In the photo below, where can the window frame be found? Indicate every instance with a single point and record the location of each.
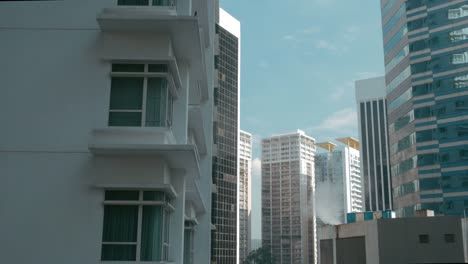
(172, 4)
(146, 75)
(167, 209)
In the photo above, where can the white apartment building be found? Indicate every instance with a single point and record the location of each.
(338, 181)
(105, 148)
(245, 194)
(288, 182)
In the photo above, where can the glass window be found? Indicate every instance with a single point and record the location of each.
(402, 122)
(417, 23)
(458, 35)
(425, 135)
(429, 184)
(399, 79)
(140, 101)
(146, 2)
(449, 238)
(397, 59)
(428, 159)
(188, 242)
(394, 20)
(403, 144)
(424, 239)
(460, 81)
(422, 112)
(459, 12)
(422, 89)
(418, 45)
(403, 98)
(396, 38)
(460, 58)
(120, 239)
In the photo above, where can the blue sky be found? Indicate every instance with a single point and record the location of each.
(299, 61)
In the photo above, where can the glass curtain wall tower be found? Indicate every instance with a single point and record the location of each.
(225, 214)
(288, 217)
(426, 65)
(373, 134)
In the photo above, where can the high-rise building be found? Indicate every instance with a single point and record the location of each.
(338, 181)
(105, 152)
(255, 244)
(373, 135)
(245, 188)
(225, 214)
(288, 217)
(427, 97)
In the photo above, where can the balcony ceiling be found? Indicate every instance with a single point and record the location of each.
(184, 31)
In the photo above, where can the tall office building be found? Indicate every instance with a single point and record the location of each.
(105, 152)
(245, 190)
(225, 236)
(373, 135)
(288, 218)
(427, 97)
(338, 181)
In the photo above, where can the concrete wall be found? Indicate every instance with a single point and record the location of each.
(54, 91)
(399, 240)
(351, 250)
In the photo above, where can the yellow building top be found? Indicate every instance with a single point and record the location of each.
(350, 141)
(327, 145)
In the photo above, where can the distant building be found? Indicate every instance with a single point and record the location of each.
(245, 185)
(225, 211)
(373, 135)
(338, 181)
(440, 239)
(426, 74)
(255, 244)
(288, 218)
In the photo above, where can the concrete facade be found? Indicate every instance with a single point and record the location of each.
(439, 239)
(245, 194)
(60, 154)
(288, 183)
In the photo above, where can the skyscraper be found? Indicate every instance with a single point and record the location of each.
(225, 236)
(245, 198)
(373, 135)
(427, 92)
(338, 181)
(106, 155)
(288, 218)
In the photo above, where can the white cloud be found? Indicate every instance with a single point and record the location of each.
(344, 120)
(289, 37)
(337, 94)
(310, 30)
(324, 44)
(351, 33)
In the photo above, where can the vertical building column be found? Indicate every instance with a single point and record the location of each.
(177, 219)
(180, 123)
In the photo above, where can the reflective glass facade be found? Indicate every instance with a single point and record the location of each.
(225, 162)
(427, 103)
(375, 163)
